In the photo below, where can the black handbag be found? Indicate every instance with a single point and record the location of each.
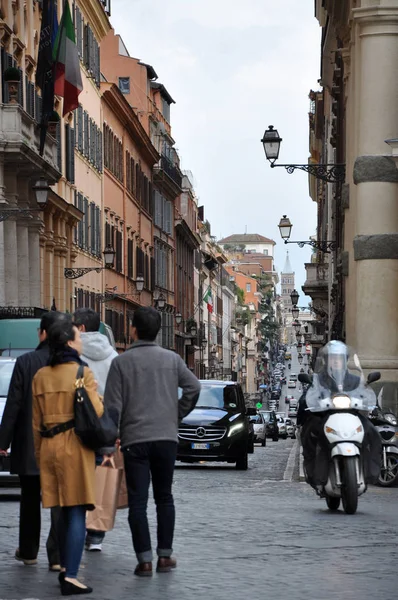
(94, 432)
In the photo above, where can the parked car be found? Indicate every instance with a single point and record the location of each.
(6, 369)
(292, 383)
(290, 428)
(259, 428)
(218, 428)
(281, 426)
(271, 425)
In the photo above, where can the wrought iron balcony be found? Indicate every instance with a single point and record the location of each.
(170, 169)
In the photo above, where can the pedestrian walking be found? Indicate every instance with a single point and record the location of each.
(142, 386)
(67, 467)
(98, 353)
(16, 431)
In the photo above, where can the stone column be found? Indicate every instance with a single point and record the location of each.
(23, 263)
(10, 262)
(34, 265)
(376, 193)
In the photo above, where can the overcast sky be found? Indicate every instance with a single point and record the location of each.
(234, 67)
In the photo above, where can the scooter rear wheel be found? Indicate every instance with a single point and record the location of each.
(349, 489)
(333, 503)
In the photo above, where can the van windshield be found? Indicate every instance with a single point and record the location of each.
(218, 396)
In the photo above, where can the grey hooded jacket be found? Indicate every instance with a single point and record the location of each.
(98, 354)
(142, 387)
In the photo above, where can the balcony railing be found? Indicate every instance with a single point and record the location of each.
(172, 171)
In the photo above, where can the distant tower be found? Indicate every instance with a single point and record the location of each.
(287, 283)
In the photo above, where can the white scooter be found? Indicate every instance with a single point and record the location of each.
(344, 432)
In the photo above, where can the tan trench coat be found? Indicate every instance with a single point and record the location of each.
(67, 468)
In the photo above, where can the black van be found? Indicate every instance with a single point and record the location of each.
(218, 429)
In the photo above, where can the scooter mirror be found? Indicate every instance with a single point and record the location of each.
(374, 376)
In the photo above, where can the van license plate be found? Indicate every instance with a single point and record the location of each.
(200, 446)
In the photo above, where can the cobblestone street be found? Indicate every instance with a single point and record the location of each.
(239, 534)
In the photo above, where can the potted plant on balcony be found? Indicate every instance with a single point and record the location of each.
(53, 121)
(12, 77)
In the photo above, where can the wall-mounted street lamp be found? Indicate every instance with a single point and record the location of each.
(327, 172)
(109, 260)
(295, 312)
(297, 326)
(112, 294)
(294, 296)
(41, 189)
(160, 302)
(285, 228)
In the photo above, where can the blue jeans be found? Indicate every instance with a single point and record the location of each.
(141, 461)
(72, 534)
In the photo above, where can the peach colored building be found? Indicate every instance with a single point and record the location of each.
(246, 283)
(151, 103)
(128, 160)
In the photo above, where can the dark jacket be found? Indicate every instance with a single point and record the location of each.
(16, 425)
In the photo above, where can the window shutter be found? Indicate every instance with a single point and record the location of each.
(146, 271)
(20, 87)
(79, 32)
(108, 234)
(86, 134)
(164, 214)
(85, 224)
(98, 65)
(152, 264)
(80, 224)
(119, 251)
(100, 158)
(92, 228)
(70, 153)
(59, 146)
(150, 199)
(97, 231)
(87, 38)
(168, 228)
(80, 132)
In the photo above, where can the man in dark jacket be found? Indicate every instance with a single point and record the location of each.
(142, 387)
(16, 431)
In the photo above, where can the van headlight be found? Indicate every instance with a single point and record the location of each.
(341, 402)
(235, 428)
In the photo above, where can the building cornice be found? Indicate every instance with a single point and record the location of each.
(95, 15)
(114, 98)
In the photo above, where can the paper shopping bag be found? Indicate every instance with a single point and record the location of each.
(123, 498)
(107, 486)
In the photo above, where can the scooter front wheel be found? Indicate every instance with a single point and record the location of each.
(389, 473)
(332, 502)
(349, 489)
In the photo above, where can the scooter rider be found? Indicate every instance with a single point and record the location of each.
(334, 367)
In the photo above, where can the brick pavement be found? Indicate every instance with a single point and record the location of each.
(239, 535)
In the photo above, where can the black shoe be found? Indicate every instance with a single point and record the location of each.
(70, 589)
(61, 577)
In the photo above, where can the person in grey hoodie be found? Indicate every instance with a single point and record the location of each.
(142, 387)
(98, 354)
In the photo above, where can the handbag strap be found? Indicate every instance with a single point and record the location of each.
(79, 383)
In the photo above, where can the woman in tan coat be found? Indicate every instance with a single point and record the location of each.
(67, 468)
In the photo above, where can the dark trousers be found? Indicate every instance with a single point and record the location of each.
(143, 461)
(30, 522)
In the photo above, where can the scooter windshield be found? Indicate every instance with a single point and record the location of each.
(338, 381)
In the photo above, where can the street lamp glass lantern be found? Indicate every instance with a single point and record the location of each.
(41, 189)
(295, 313)
(271, 143)
(178, 318)
(139, 283)
(285, 227)
(161, 302)
(294, 297)
(204, 343)
(297, 326)
(193, 330)
(109, 256)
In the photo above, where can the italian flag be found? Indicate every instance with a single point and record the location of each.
(68, 79)
(209, 299)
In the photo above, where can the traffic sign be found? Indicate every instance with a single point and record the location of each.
(259, 405)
